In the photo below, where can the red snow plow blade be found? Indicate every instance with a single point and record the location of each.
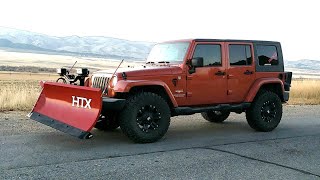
(68, 108)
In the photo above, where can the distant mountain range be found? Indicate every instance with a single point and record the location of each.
(107, 47)
(304, 68)
(311, 65)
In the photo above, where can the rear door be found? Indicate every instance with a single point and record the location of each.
(208, 85)
(241, 70)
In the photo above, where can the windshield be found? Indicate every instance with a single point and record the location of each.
(168, 52)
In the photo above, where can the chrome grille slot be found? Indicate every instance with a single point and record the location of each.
(100, 82)
(104, 82)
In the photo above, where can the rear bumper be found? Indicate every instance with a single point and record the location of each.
(112, 104)
(286, 96)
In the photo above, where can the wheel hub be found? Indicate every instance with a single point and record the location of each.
(148, 118)
(218, 113)
(268, 111)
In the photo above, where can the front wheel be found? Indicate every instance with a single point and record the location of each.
(265, 112)
(107, 122)
(145, 118)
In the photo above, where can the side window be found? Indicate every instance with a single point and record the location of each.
(240, 55)
(267, 55)
(211, 54)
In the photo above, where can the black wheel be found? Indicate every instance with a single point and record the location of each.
(215, 116)
(145, 118)
(61, 80)
(265, 112)
(107, 122)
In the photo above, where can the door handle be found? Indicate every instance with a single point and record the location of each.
(247, 72)
(220, 73)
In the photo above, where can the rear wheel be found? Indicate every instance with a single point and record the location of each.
(265, 112)
(145, 118)
(215, 116)
(107, 122)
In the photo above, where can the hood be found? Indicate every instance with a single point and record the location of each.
(143, 71)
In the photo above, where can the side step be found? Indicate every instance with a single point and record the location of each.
(192, 110)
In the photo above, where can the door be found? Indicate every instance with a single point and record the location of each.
(241, 70)
(208, 84)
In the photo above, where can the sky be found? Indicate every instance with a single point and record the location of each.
(294, 23)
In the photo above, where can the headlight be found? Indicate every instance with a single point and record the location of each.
(113, 81)
(62, 71)
(79, 71)
(83, 72)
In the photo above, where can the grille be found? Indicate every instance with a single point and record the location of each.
(100, 82)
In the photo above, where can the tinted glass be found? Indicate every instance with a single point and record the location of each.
(267, 55)
(240, 55)
(211, 54)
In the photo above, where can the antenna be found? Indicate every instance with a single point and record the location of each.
(117, 68)
(73, 66)
(112, 76)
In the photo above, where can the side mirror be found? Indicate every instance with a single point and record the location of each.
(197, 62)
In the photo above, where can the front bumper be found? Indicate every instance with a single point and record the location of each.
(112, 104)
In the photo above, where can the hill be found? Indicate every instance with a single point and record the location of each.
(86, 46)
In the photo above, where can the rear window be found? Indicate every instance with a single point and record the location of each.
(267, 55)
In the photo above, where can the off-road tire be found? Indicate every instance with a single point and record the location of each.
(107, 122)
(141, 109)
(215, 116)
(265, 112)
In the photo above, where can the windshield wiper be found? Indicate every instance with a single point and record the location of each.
(158, 62)
(165, 62)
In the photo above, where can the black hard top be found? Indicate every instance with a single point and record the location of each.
(233, 40)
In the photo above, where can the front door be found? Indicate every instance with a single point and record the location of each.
(241, 70)
(208, 85)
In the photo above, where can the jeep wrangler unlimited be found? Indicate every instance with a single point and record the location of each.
(208, 76)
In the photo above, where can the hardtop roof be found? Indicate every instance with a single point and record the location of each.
(233, 40)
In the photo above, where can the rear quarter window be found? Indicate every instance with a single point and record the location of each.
(267, 55)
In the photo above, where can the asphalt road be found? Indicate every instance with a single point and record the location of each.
(192, 149)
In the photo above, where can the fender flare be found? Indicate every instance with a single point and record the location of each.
(126, 85)
(258, 84)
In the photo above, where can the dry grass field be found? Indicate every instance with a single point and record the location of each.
(19, 91)
(305, 92)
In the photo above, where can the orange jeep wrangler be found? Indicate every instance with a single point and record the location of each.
(208, 76)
